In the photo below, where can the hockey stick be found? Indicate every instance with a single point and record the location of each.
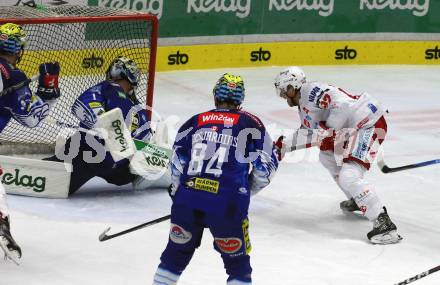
(419, 276)
(61, 124)
(18, 85)
(104, 236)
(386, 169)
(304, 146)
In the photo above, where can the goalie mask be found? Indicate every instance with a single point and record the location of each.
(291, 76)
(12, 39)
(123, 68)
(229, 88)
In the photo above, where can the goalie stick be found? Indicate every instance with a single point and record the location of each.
(386, 169)
(104, 236)
(419, 276)
(304, 146)
(61, 124)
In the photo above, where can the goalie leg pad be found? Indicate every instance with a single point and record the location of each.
(34, 177)
(150, 163)
(144, 182)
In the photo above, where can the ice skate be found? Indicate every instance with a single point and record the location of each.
(349, 206)
(384, 230)
(7, 243)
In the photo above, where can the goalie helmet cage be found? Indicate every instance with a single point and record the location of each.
(84, 39)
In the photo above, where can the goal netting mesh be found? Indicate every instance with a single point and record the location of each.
(84, 40)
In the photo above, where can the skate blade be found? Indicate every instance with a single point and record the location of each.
(386, 238)
(11, 255)
(357, 214)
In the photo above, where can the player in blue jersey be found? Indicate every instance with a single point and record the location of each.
(117, 91)
(219, 158)
(17, 102)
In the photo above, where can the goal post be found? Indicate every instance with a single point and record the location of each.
(84, 40)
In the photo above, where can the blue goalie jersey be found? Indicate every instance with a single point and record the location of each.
(106, 96)
(219, 158)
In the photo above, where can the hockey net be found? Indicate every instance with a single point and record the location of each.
(84, 40)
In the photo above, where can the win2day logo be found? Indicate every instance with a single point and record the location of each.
(92, 62)
(178, 58)
(260, 55)
(345, 53)
(433, 53)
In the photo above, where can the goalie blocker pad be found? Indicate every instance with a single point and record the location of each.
(34, 177)
(111, 126)
(148, 161)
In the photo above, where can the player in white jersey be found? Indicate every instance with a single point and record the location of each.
(350, 129)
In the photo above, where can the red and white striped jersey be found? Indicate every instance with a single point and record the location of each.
(340, 109)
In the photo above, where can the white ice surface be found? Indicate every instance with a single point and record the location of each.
(298, 233)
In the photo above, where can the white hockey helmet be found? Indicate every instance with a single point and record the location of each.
(293, 76)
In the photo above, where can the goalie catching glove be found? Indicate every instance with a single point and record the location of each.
(48, 81)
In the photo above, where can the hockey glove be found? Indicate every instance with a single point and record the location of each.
(278, 144)
(326, 137)
(48, 81)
